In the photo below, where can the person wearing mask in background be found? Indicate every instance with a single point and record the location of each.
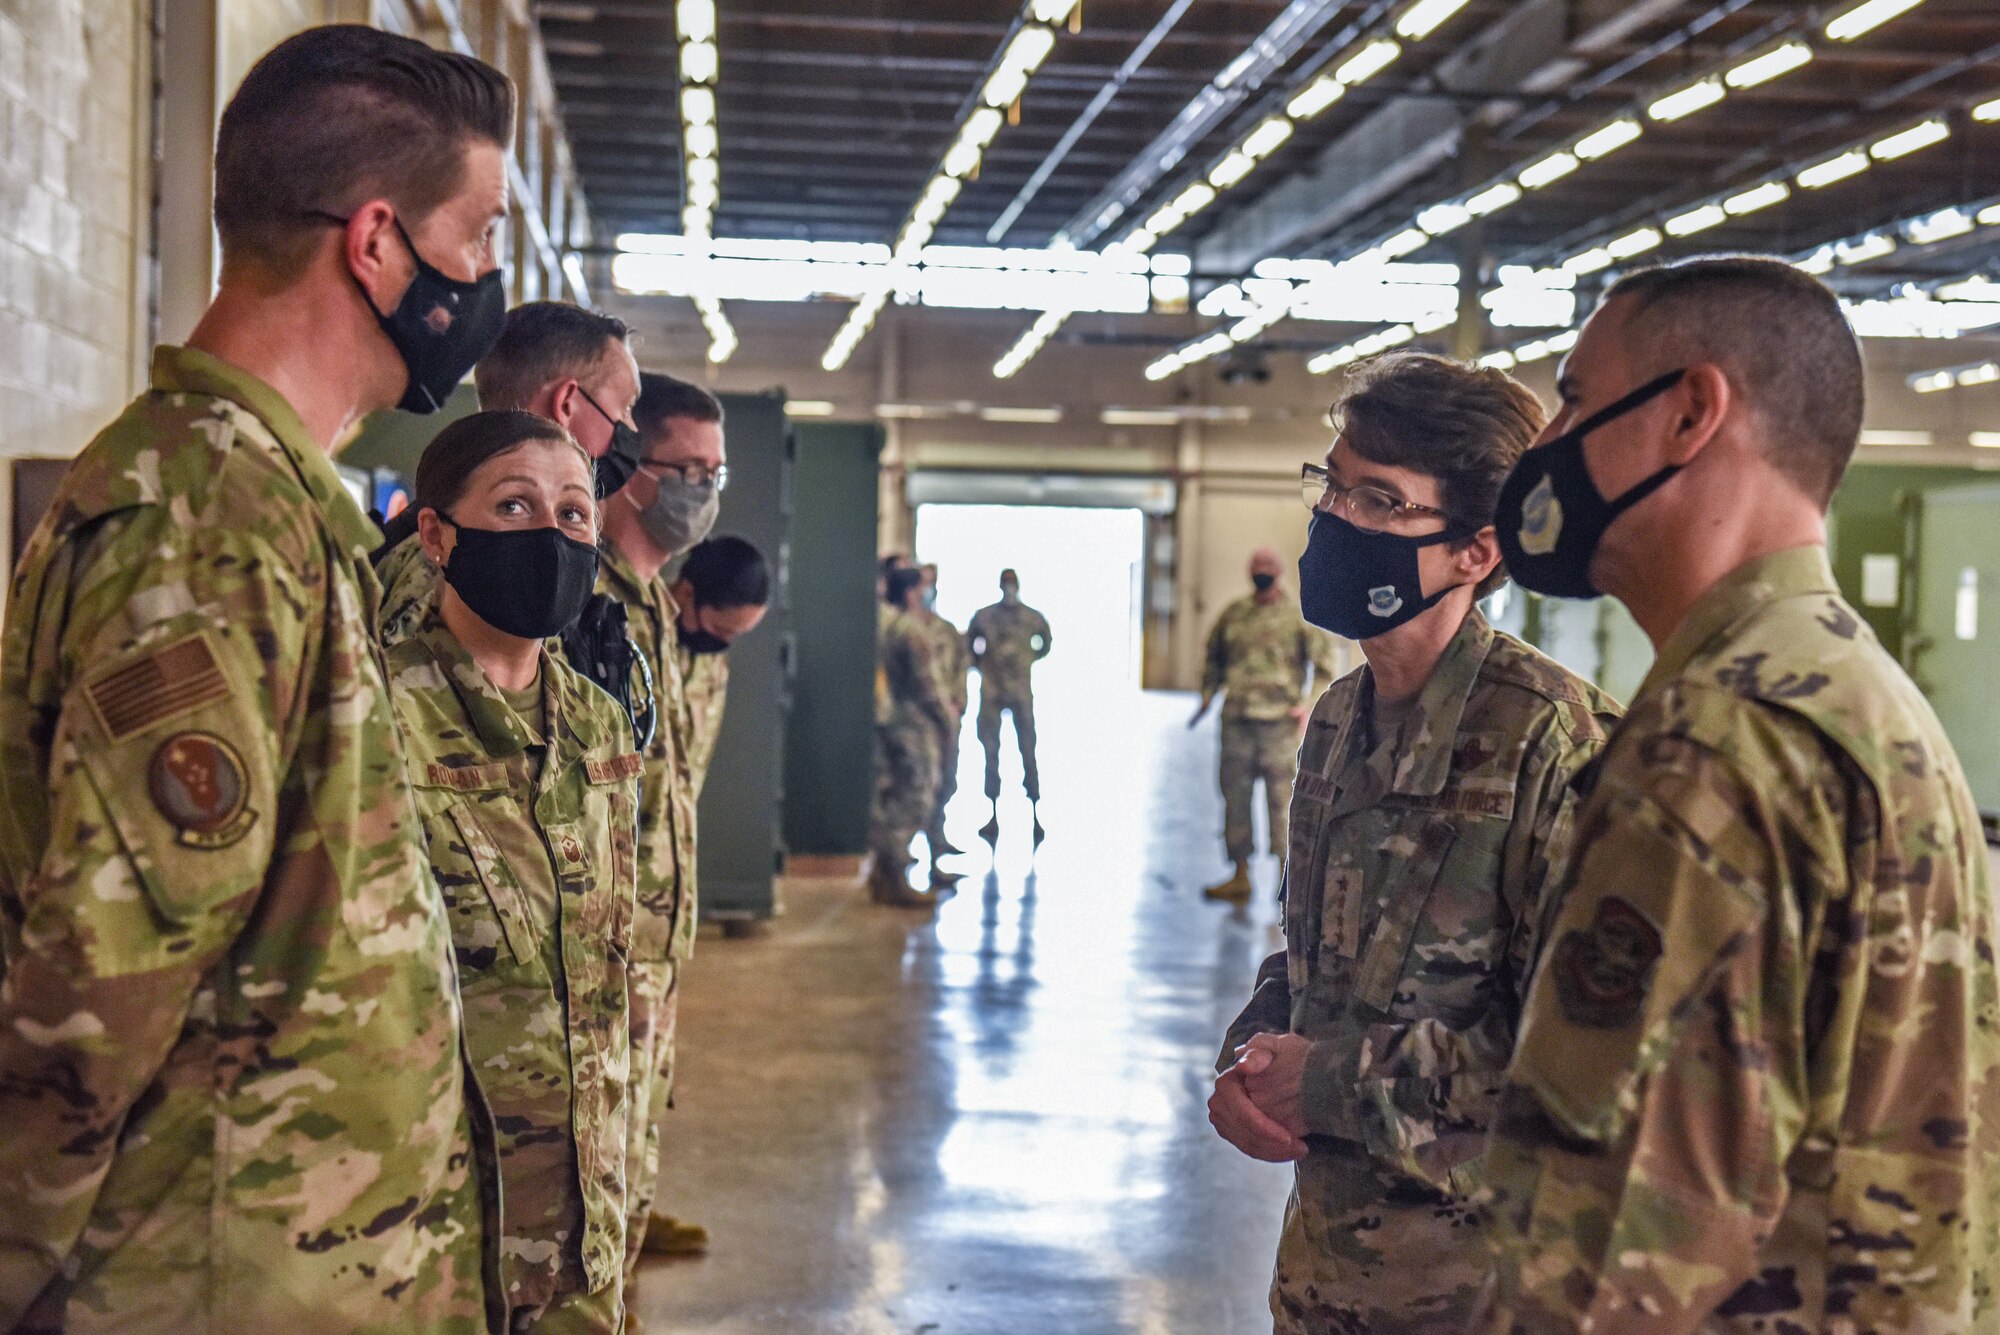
(1755, 1084)
(906, 747)
(884, 614)
(559, 361)
(951, 659)
(667, 507)
(527, 787)
(723, 589)
(1428, 824)
(1265, 662)
(1007, 639)
(231, 1078)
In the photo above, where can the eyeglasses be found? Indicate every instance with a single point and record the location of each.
(1364, 506)
(695, 475)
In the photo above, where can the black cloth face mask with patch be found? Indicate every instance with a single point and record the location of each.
(1551, 517)
(1360, 584)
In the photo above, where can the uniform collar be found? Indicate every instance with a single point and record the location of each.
(1791, 573)
(626, 578)
(183, 370)
(1419, 756)
(500, 732)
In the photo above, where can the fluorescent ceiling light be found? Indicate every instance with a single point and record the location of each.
(1819, 262)
(1851, 163)
(1933, 382)
(1194, 199)
(1550, 169)
(1939, 226)
(1871, 247)
(1633, 243)
(1589, 262)
(1533, 352)
(1565, 341)
(696, 20)
(1987, 112)
(1369, 61)
(1757, 197)
(808, 408)
(1985, 440)
(1140, 417)
(1906, 142)
(1688, 100)
(1696, 220)
(1498, 361)
(1316, 97)
(1406, 242)
(1985, 373)
(703, 194)
(1901, 438)
(1266, 138)
(1604, 142)
(698, 106)
(1036, 415)
(1231, 169)
(1866, 17)
(1442, 219)
(700, 141)
(1052, 12)
(1173, 266)
(1142, 240)
(1990, 216)
(1493, 199)
(1164, 367)
(1764, 68)
(1424, 18)
(703, 169)
(699, 62)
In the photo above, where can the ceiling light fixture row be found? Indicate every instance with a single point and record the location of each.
(1348, 70)
(1510, 187)
(1033, 37)
(701, 149)
(1736, 202)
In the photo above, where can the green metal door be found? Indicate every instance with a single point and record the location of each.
(1952, 644)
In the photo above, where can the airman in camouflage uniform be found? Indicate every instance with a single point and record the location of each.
(1419, 864)
(1265, 662)
(530, 818)
(1757, 1086)
(1757, 1071)
(906, 748)
(1007, 639)
(663, 935)
(951, 659)
(705, 679)
(230, 1071)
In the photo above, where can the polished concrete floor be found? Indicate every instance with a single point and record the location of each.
(993, 1123)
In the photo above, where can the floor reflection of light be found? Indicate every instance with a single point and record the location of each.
(1036, 1162)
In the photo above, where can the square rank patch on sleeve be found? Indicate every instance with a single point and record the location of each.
(165, 684)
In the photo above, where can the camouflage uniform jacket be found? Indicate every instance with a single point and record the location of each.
(1007, 639)
(1759, 1069)
(1258, 655)
(705, 678)
(230, 1064)
(409, 587)
(884, 615)
(914, 693)
(531, 838)
(666, 921)
(951, 659)
(1417, 876)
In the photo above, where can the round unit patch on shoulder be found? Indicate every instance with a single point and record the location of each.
(197, 781)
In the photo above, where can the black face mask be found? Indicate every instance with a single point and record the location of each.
(440, 328)
(700, 642)
(529, 582)
(1360, 584)
(1551, 518)
(1264, 583)
(614, 468)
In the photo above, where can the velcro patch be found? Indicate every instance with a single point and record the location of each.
(1602, 973)
(165, 684)
(1313, 787)
(465, 778)
(618, 769)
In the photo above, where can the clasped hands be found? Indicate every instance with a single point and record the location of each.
(1256, 1103)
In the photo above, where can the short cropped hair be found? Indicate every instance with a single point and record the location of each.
(662, 398)
(541, 343)
(337, 116)
(728, 572)
(899, 582)
(456, 453)
(1464, 425)
(1780, 336)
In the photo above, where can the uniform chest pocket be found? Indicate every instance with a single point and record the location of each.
(488, 908)
(1400, 906)
(611, 815)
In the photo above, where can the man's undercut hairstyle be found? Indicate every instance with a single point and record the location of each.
(1780, 336)
(1464, 425)
(663, 398)
(543, 342)
(728, 572)
(340, 115)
